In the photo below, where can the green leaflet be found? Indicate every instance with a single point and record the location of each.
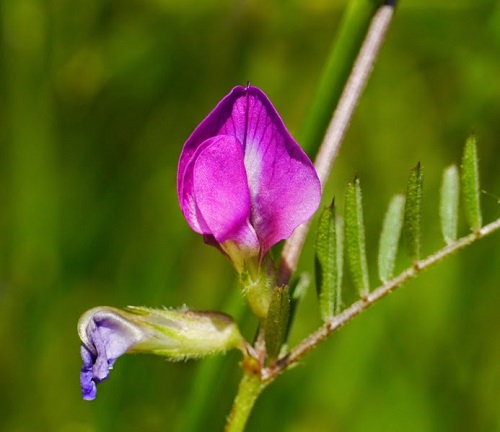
(277, 320)
(470, 184)
(412, 225)
(448, 209)
(340, 262)
(355, 237)
(389, 237)
(328, 262)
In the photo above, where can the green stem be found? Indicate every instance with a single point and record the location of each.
(350, 36)
(250, 388)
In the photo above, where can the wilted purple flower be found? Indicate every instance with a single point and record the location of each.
(107, 333)
(243, 182)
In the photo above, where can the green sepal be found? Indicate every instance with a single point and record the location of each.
(196, 333)
(389, 237)
(354, 234)
(412, 225)
(277, 320)
(448, 209)
(258, 286)
(470, 184)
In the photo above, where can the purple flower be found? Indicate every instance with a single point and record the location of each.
(105, 336)
(243, 182)
(107, 333)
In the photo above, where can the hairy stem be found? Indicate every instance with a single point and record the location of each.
(249, 390)
(338, 126)
(355, 309)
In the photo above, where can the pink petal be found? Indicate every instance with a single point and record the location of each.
(223, 120)
(284, 187)
(221, 192)
(185, 188)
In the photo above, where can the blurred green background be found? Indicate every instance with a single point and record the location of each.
(96, 100)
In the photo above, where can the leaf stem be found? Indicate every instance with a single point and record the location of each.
(355, 309)
(337, 128)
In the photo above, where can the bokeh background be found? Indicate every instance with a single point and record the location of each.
(96, 100)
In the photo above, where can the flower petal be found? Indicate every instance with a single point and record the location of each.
(186, 193)
(224, 119)
(87, 383)
(283, 183)
(221, 192)
(105, 336)
(284, 188)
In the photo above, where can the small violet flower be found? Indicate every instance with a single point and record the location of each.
(243, 182)
(107, 333)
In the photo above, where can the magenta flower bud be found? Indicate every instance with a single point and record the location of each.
(243, 182)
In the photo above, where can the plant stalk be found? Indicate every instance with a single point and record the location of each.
(337, 128)
(250, 388)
